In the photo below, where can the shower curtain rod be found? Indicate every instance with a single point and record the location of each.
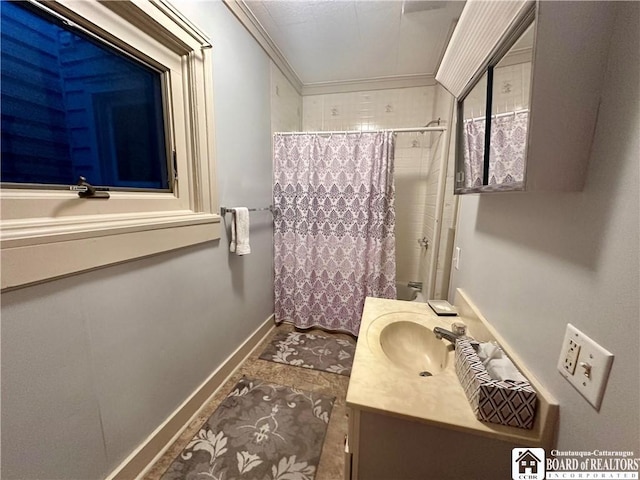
(499, 115)
(393, 130)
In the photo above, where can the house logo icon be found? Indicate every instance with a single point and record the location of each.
(527, 464)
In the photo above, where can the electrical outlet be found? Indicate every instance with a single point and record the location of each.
(585, 364)
(571, 356)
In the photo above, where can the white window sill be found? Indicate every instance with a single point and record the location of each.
(36, 253)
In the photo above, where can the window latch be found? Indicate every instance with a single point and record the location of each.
(175, 166)
(86, 190)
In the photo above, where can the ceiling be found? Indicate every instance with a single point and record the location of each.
(328, 41)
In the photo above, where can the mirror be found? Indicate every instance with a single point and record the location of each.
(473, 115)
(510, 113)
(493, 120)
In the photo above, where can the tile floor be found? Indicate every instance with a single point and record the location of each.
(331, 465)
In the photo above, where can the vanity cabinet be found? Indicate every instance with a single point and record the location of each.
(406, 425)
(387, 447)
(528, 82)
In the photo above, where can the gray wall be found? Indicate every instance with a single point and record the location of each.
(534, 262)
(92, 364)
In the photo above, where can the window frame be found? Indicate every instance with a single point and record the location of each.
(50, 233)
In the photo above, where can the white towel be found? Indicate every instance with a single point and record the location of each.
(498, 365)
(240, 232)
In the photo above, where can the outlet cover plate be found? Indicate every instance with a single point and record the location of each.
(585, 364)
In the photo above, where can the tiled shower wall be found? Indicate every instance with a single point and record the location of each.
(286, 103)
(510, 92)
(416, 169)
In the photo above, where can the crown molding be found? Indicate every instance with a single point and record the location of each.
(257, 31)
(516, 57)
(380, 83)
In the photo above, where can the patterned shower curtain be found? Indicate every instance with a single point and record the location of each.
(334, 229)
(507, 149)
(473, 152)
(508, 145)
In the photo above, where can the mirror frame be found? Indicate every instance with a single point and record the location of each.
(503, 47)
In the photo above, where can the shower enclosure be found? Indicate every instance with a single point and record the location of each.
(425, 205)
(417, 177)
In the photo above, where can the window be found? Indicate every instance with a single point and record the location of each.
(73, 106)
(119, 93)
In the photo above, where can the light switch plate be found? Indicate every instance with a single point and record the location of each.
(585, 364)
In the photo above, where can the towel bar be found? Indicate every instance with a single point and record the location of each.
(225, 210)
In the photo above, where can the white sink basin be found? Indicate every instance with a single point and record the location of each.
(404, 340)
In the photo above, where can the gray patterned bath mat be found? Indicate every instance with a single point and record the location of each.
(310, 350)
(261, 431)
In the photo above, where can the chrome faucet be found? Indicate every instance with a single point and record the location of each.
(459, 331)
(440, 332)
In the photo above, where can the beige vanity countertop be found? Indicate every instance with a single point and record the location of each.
(378, 386)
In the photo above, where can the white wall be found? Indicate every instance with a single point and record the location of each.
(533, 262)
(92, 364)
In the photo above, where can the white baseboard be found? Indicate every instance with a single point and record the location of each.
(156, 444)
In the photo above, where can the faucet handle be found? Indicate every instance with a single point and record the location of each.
(459, 328)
